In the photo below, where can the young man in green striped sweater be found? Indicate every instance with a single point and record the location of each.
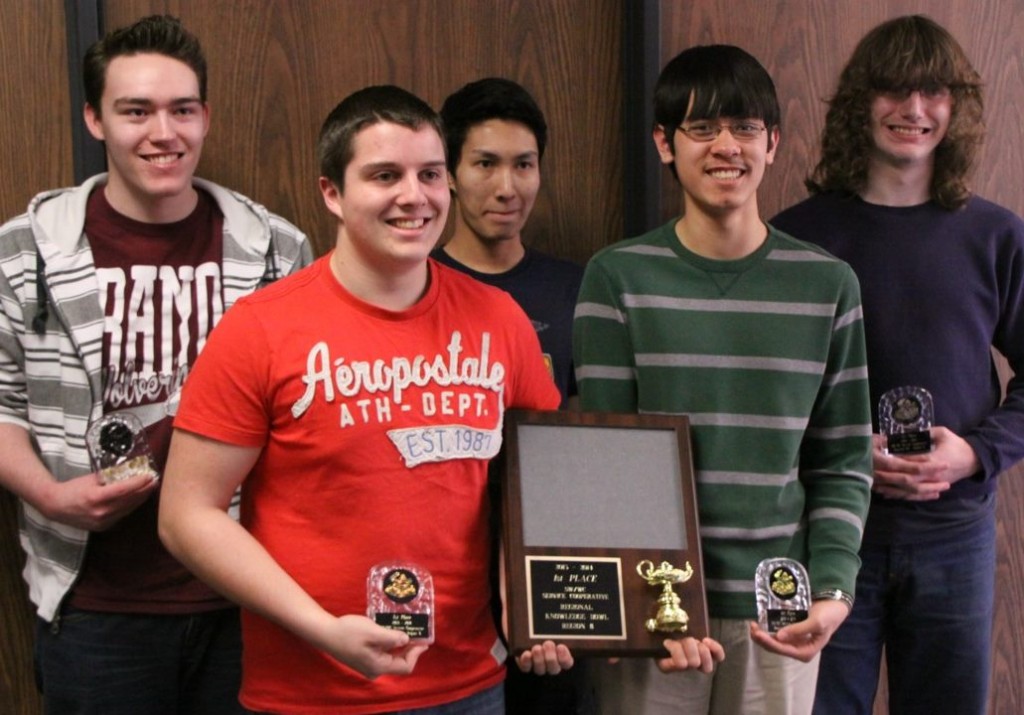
(758, 338)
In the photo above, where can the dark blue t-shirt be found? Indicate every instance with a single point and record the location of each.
(546, 289)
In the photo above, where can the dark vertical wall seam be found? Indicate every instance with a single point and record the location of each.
(641, 171)
(83, 20)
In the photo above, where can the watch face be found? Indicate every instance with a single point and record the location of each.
(833, 594)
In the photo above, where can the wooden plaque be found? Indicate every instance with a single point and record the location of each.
(589, 497)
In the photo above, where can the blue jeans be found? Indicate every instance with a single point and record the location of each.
(486, 702)
(91, 663)
(930, 605)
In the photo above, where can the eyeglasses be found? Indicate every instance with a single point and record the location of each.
(709, 131)
(928, 92)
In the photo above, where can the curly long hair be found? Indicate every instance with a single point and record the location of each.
(901, 55)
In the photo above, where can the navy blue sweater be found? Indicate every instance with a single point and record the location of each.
(939, 288)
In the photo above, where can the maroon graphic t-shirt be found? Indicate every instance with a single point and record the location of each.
(160, 290)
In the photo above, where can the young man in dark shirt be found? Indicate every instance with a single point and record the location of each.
(942, 278)
(496, 136)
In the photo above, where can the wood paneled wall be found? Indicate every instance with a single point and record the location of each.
(278, 66)
(804, 45)
(35, 153)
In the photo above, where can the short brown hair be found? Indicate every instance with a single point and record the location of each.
(156, 34)
(384, 103)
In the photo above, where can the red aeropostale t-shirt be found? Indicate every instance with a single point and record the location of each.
(376, 428)
(160, 290)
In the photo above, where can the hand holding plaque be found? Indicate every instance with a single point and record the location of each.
(601, 533)
(905, 417)
(118, 448)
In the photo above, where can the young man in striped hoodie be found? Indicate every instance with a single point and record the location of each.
(108, 291)
(758, 338)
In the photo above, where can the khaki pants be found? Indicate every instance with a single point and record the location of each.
(751, 681)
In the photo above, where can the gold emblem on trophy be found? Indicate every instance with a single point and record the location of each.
(783, 583)
(401, 585)
(671, 618)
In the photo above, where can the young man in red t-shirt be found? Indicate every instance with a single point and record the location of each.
(357, 405)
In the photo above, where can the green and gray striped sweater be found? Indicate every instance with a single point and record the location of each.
(766, 356)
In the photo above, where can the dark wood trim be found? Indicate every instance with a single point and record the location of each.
(84, 25)
(641, 175)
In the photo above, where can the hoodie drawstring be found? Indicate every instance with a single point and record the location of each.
(42, 299)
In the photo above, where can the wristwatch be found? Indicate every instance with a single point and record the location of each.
(833, 594)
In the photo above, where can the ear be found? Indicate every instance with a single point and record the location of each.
(92, 122)
(451, 182)
(332, 197)
(206, 118)
(664, 146)
(773, 145)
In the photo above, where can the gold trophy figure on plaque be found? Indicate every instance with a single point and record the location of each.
(671, 618)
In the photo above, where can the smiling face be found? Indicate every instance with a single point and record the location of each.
(153, 124)
(721, 176)
(496, 181)
(395, 201)
(907, 127)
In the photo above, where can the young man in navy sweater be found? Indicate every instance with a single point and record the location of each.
(942, 279)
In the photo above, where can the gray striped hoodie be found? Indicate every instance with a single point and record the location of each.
(51, 335)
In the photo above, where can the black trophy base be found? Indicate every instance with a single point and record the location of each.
(903, 443)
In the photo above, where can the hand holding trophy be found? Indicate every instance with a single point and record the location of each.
(783, 592)
(118, 448)
(401, 596)
(905, 418)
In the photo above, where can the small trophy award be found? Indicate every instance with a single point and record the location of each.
(670, 618)
(401, 597)
(905, 417)
(783, 593)
(118, 448)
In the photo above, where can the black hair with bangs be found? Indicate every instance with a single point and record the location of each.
(712, 81)
(486, 99)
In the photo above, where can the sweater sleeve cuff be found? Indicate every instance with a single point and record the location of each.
(989, 467)
(838, 571)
